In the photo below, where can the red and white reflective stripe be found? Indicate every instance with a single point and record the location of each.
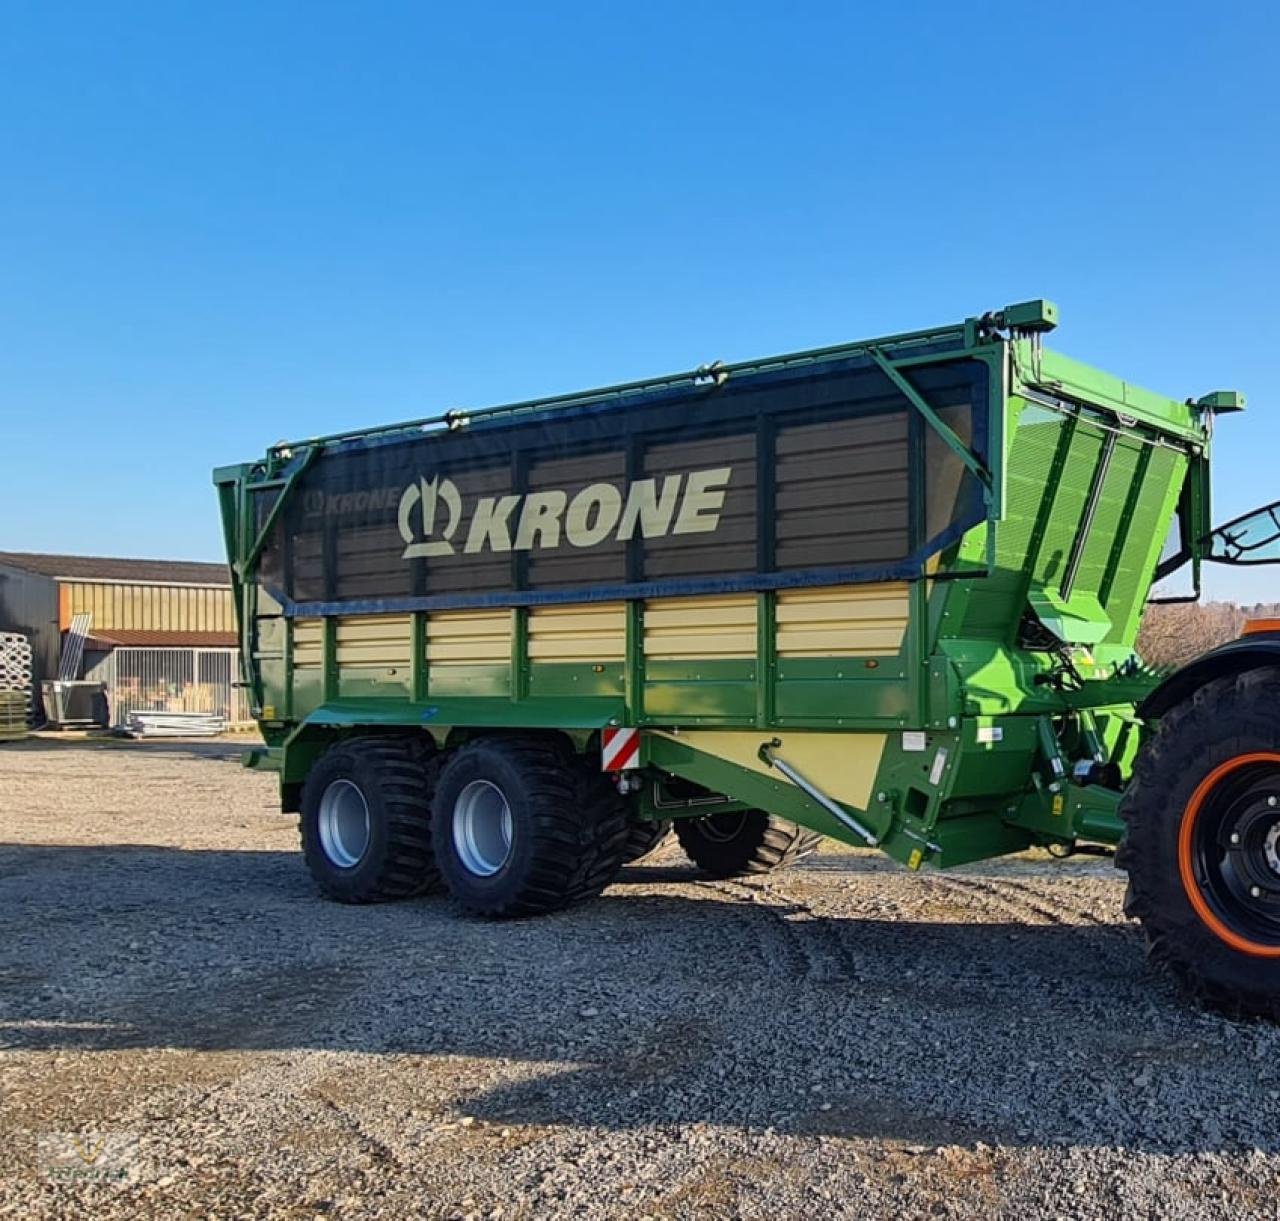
(619, 749)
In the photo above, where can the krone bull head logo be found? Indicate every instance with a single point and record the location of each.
(425, 496)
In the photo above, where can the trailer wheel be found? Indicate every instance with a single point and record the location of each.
(1202, 843)
(366, 820)
(643, 838)
(521, 827)
(741, 842)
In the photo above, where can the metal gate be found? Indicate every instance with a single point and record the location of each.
(174, 680)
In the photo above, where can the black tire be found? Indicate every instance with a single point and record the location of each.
(393, 777)
(566, 827)
(740, 842)
(1208, 774)
(644, 837)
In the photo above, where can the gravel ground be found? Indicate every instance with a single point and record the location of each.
(841, 1039)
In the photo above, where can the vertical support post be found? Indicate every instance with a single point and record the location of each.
(330, 639)
(286, 696)
(918, 652)
(634, 678)
(766, 494)
(917, 643)
(418, 657)
(519, 653)
(766, 657)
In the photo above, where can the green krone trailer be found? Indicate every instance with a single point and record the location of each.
(886, 592)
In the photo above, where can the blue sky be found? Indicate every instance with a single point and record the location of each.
(225, 224)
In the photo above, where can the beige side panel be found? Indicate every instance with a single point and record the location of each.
(691, 629)
(582, 633)
(842, 620)
(374, 640)
(842, 765)
(469, 638)
(308, 644)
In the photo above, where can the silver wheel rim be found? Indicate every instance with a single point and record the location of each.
(482, 828)
(1271, 848)
(344, 824)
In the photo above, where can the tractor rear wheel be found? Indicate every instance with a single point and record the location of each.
(740, 842)
(1202, 843)
(522, 826)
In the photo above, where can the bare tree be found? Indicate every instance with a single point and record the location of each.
(1173, 634)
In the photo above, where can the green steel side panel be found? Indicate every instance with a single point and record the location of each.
(977, 837)
(270, 658)
(589, 713)
(700, 692)
(1114, 498)
(374, 682)
(992, 768)
(307, 695)
(1146, 526)
(493, 681)
(843, 692)
(1094, 814)
(1055, 372)
(571, 681)
(1053, 464)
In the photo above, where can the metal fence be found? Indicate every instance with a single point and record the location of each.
(173, 680)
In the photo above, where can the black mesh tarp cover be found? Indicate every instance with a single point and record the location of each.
(788, 477)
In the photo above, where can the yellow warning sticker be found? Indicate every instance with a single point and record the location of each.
(913, 861)
(269, 713)
(1058, 805)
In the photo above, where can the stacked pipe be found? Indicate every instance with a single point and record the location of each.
(15, 685)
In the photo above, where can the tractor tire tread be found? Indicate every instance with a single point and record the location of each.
(1222, 712)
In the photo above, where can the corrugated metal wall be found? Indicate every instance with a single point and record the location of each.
(166, 608)
(29, 604)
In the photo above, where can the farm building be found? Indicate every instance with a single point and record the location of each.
(160, 633)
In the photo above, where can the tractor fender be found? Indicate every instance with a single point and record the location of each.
(1250, 652)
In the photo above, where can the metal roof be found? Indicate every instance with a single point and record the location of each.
(106, 568)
